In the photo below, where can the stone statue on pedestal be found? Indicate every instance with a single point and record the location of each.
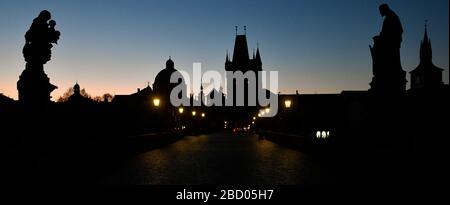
(388, 76)
(34, 86)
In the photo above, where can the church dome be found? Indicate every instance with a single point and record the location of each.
(162, 84)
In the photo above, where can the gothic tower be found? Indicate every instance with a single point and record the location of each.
(426, 75)
(241, 61)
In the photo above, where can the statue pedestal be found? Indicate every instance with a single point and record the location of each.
(34, 86)
(387, 100)
(389, 78)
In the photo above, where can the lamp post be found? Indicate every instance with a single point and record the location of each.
(179, 117)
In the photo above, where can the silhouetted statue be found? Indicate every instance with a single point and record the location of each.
(388, 86)
(389, 77)
(34, 85)
(392, 30)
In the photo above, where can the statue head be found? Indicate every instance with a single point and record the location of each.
(52, 23)
(384, 9)
(45, 15)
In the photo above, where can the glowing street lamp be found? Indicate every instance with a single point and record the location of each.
(267, 110)
(287, 103)
(180, 110)
(156, 102)
(193, 113)
(259, 114)
(203, 114)
(254, 118)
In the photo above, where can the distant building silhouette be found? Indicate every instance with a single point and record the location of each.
(242, 62)
(426, 75)
(77, 98)
(4, 100)
(162, 87)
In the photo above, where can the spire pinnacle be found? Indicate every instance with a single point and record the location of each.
(426, 30)
(258, 55)
(425, 47)
(235, 29)
(245, 30)
(201, 84)
(227, 58)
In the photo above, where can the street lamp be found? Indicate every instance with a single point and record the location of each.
(267, 110)
(287, 103)
(193, 113)
(156, 102)
(203, 114)
(180, 110)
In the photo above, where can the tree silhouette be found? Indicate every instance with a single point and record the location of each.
(103, 98)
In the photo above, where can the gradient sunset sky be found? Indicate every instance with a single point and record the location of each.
(318, 46)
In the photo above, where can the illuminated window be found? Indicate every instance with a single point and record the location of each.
(287, 103)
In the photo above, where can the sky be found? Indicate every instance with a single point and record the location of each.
(117, 46)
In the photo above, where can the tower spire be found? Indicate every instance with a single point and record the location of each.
(245, 30)
(235, 29)
(258, 56)
(425, 46)
(227, 58)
